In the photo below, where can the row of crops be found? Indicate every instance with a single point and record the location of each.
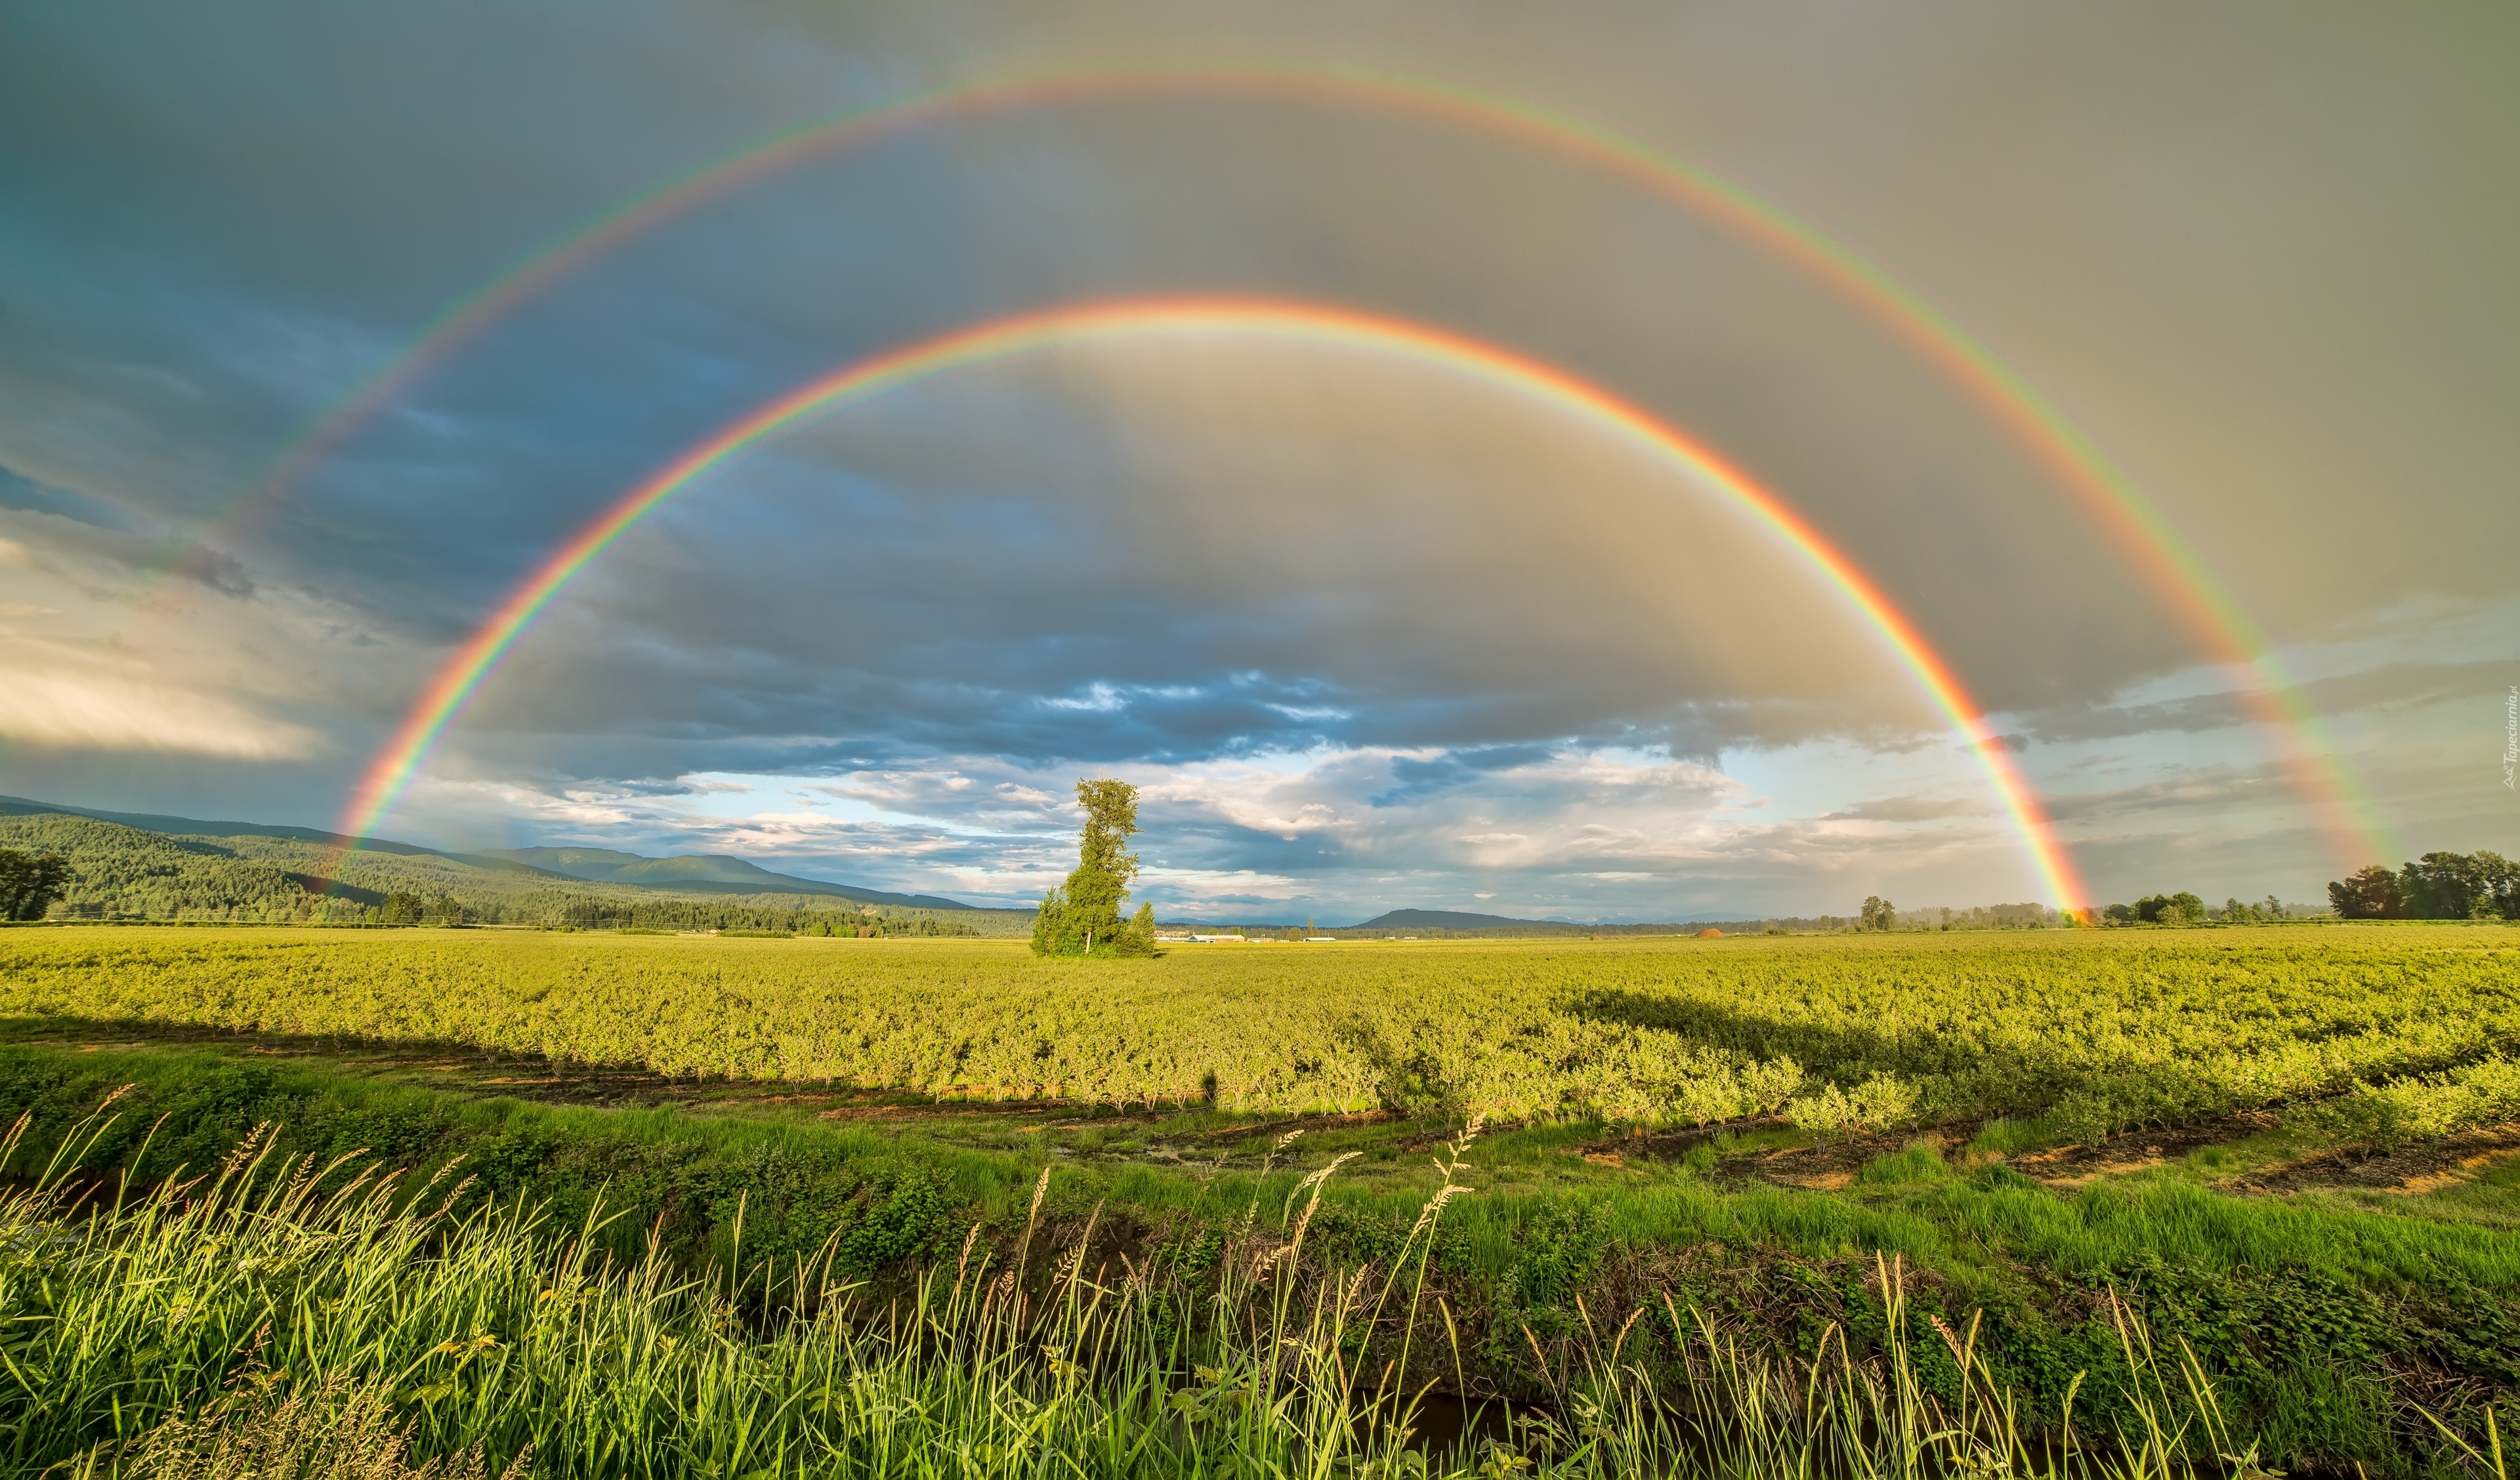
(2101, 1031)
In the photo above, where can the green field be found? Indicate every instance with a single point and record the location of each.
(2287, 1147)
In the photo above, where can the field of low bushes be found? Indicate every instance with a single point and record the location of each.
(2097, 1032)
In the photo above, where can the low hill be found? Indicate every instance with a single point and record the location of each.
(1449, 920)
(702, 873)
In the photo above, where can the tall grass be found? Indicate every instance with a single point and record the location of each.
(272, 1316)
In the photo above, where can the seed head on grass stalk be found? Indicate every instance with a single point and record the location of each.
(1433, 1209)
(963, 1264)
(1313, 1182)
(1267, 1164)
(1032, 1220)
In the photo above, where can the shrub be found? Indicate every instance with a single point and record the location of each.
(1880, 1103)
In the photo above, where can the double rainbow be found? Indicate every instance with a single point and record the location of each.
(462, 674)
(2214, 618)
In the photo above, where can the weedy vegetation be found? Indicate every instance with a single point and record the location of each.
(274, 1317)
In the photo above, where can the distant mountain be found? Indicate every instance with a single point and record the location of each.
(1445, 920)
(701, 873)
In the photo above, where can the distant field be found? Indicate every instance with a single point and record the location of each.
(2097, 1032)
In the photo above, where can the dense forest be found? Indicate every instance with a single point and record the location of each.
(116, 872)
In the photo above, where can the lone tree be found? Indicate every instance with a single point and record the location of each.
(1878, 914)
(1083, 918)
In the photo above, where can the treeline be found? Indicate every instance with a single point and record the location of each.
(2480, 885)
(2023, 916)
(570, 910)
(2029, 916)
(1878, 914)
(1535, 930)
(2185, 908)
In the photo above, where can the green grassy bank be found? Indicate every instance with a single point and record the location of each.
(2327, 1323)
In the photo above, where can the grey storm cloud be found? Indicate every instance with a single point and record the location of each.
(2259, 256)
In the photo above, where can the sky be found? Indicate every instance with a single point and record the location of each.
(1367, 629)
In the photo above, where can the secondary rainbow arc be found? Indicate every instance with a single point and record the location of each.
(464, 671)
(2207, 608)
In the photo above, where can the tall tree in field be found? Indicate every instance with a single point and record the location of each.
(1083, 918)
(1878, 913)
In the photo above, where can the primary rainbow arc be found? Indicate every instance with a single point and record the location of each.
(463, 673)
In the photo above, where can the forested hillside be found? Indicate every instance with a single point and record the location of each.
(117, 871)
(121, 872)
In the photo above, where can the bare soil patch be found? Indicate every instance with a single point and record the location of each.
(2139, 1151)
(2408, 1170)
(1831, 1164)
